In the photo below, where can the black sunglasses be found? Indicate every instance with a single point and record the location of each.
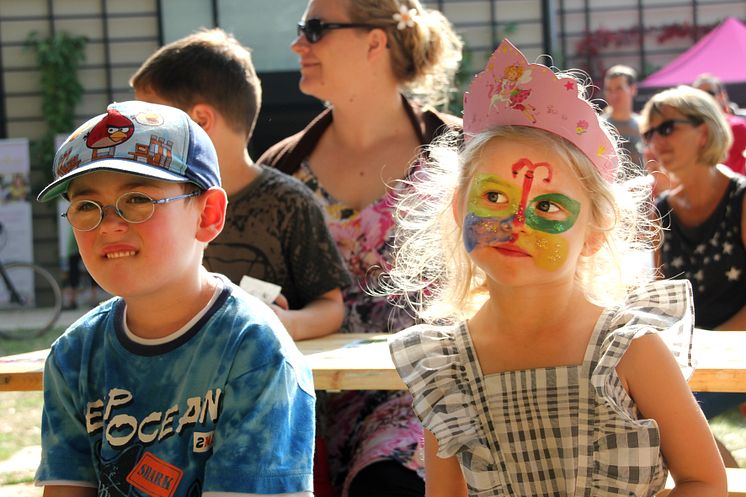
(313, 29)
(666, 127)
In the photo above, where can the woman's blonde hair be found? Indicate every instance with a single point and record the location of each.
(424, 57)
(701, 107)
(433, 273)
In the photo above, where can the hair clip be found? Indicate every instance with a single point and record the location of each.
(405, 17)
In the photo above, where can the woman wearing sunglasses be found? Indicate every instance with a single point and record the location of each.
(376, 63)
(705, 239)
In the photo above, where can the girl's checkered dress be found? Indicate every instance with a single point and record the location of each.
(560, 431)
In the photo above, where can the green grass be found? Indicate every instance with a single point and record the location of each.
(20, 424)
(11, 347)
(730, 429)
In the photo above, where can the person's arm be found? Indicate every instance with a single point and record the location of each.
(652, 378)
(443, 477)
(737, 322)
(68, 491)
(320, 317)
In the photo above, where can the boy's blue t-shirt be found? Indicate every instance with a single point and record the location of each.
(227, 406)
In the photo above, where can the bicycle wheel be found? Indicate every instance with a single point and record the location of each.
(30, 300)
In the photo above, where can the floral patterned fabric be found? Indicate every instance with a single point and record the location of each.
(363, 238)
(362, 427)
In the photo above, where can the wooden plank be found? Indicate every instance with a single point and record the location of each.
(362, 362)
(351, 362)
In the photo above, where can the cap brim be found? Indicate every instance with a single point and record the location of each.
(59, 186)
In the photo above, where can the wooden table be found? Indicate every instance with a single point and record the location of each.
(362, 362)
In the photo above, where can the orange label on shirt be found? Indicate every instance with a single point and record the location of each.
(155, 476)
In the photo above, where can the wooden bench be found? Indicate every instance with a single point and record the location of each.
(362, 362)
(736, 483)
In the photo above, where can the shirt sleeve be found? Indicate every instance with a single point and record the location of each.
(66, 451)
(316, 267)
(265, 438)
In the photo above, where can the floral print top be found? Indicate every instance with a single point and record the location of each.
(364, 238)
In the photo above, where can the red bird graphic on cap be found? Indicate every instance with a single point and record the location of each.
(110, 131)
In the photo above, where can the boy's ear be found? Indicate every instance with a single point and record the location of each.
(212, 218)
(205, 115)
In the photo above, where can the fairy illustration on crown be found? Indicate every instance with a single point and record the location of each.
(509, 91)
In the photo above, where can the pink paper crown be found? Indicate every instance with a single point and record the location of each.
(511, 91)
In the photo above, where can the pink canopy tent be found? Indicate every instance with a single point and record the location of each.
(722, 52)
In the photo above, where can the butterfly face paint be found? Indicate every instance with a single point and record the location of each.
(502, 214)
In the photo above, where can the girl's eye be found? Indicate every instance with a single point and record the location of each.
(547, 206)
(495, 197)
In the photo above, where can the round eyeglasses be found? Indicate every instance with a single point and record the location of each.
(314, 28)
(133, 207)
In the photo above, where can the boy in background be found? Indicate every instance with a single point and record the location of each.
(182, 384)
(275, 231)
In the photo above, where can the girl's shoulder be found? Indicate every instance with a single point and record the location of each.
(663, 307)
(436, 363)
(437, 344)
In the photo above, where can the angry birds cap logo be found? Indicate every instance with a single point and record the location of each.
(112, 130)
(137, 138)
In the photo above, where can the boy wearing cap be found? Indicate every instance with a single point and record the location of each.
(183, 384)
(275, 231)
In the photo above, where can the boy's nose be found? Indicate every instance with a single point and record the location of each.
(111, 222)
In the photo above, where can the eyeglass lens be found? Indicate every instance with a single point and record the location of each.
(313, 29)
(665, 128)
(133, 207)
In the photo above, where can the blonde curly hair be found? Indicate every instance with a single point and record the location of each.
(432, 272)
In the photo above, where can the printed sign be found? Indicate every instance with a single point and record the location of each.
(155, 476)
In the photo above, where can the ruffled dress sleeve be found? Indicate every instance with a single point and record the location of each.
(664, 307)
(429, 360)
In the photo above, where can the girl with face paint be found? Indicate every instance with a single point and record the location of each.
(543, 365)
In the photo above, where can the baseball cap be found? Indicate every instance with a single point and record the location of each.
(140, 138)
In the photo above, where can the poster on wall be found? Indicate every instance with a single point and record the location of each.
(16, 231)
(16, 237)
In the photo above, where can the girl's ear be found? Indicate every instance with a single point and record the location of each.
(204, 115)
(594, 240)
(212, 217)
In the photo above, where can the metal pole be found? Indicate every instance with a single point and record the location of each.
(563, 36)
(587, 20)
(3, 111)
(548, 26)
(50, 14)
(493, 25)
(159, 17)
(641, 31)
(215, 14)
